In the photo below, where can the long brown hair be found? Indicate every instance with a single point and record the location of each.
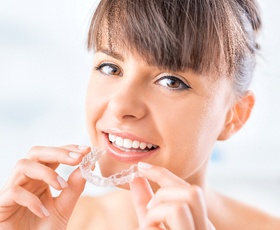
(206, 36)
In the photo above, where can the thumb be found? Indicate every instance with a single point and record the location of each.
(142, 193)
(69, 196)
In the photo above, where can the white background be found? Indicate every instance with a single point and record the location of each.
(44, 69)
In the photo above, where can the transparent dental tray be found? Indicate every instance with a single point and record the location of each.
(89, 161)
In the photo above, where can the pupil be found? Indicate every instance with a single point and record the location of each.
(173, 83)
(113, 70)
(110, 70)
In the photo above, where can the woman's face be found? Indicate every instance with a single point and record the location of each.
(138, 112)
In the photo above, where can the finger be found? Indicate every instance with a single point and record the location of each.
(68, 198)
(160, 175)
(141, 195)
(192, 196)
(53, 156)
(176, 189)
(211, 226)
(26, 170)
(174, 216)
(150, 228)
(19, 196)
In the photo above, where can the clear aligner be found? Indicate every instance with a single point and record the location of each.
(90, 160)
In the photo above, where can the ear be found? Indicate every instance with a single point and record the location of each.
(238, 115)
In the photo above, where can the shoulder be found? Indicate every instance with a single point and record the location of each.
(228, 213)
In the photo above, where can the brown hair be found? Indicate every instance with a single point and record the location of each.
(207, 36)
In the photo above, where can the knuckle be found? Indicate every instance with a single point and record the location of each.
(14, 190)
(16, 193)
(195, 192)
(181, 209)
(33, 150)
(161, 172)
(22, 163)
(60, 150)
(34, 201)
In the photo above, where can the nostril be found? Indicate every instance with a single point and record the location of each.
(128, 116)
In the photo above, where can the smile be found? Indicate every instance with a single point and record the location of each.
(126, 144)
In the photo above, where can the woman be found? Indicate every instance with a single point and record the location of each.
(170, 78)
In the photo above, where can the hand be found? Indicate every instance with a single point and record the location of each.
(176, 205)
(26, 201)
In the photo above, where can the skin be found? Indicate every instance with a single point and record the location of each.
(136, 101)
(189, 130)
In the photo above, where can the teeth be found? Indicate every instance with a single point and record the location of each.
(128, 143)
(135, 144)
(112, 138)
(119, 141)
(143, 145)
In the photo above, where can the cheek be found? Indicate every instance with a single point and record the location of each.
(190, 137)
(96, 97)
(191, 147)
(95, 105)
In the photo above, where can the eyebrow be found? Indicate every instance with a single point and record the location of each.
(112, 54)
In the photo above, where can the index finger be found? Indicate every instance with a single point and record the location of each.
(160, 175)
(141, 195)
(52, 156)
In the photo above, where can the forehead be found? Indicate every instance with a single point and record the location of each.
(117, 30)
(161, 32)
(134, 27)
(116, 45)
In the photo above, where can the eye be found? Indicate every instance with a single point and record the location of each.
(172, 83)
(108, 69)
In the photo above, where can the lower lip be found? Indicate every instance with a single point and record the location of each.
(129, 156)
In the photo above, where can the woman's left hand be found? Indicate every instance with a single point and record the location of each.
(176, 205)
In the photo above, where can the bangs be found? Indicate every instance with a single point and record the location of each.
(174, 35)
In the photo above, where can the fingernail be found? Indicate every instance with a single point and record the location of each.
(74, 155)
(45, 211)
(150, 204)
(62, 182)
(82, 147)
(144, 165)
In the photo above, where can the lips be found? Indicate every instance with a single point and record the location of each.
(128, 149)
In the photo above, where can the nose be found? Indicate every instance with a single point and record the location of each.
(128, 103)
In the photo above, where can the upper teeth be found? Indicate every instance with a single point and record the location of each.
(128, 143)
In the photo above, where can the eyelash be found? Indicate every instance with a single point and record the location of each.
(100, 66)
(183, 85)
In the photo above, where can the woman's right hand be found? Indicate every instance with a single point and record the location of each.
(26, 201)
